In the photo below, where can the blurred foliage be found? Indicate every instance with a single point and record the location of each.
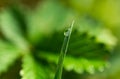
(35, 36)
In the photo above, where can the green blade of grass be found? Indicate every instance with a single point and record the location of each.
(63, 52)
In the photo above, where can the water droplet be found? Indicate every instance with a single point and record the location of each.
(67, 32)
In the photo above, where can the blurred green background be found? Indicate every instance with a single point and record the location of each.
(32, 32)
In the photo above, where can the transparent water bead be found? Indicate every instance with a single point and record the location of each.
(68, 31)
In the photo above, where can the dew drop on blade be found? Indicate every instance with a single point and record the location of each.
(67, 32)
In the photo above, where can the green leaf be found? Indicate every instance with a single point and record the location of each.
(48, 10)
(81, 44)
(32, 69)
(10, 27)
(18, 14)
(96, 28)
(84, 52)
(79, 65)
(8, 55)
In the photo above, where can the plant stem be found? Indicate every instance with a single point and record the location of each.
(63, 52)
